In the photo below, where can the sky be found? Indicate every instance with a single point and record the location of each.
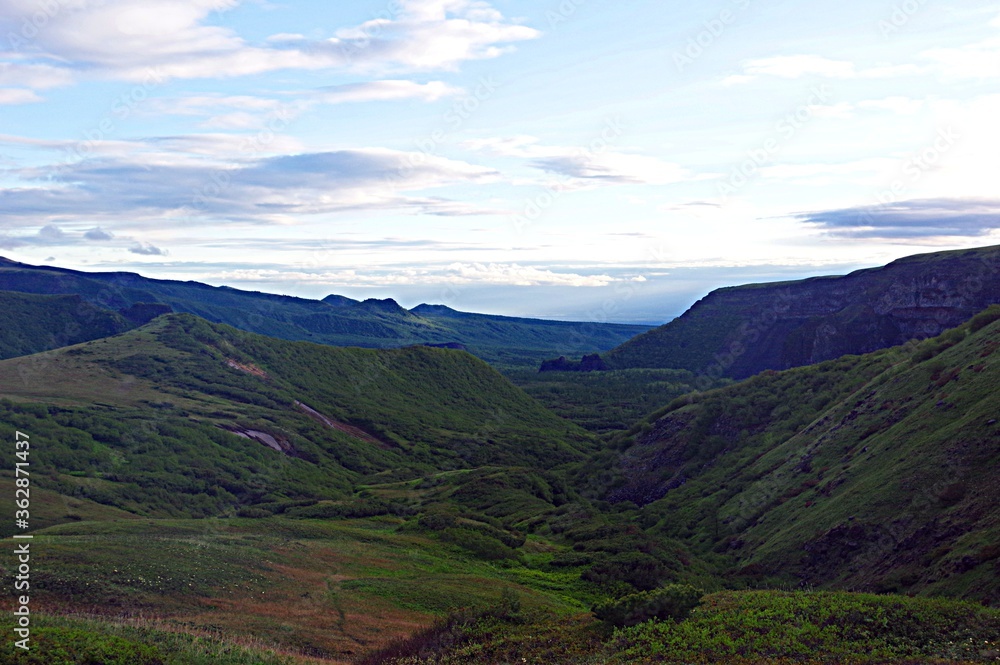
(574, 159)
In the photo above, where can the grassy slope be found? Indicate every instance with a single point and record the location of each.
(873, 472)
(321, 588)
(737, 628)
(136, 421)
(34, 323)
(605, 402)
(338, 321)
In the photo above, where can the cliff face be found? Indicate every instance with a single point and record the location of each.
(740, 331)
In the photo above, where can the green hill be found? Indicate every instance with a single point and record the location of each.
(335, 320)
(739, 331)
(185, 418)
(875, 472)
(34, 323)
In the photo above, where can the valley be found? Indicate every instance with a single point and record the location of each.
(207, 490)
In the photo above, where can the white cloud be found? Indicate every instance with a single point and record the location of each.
(152, 185)
(800, 66)
(386, 91)
(18, 96)
(585, 166)
(239, 112)
(167, 39)
(506, 274)
(897, 105)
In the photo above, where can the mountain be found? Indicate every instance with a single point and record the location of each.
(875, 472)
(34, 323)
(182, 417)
(739, 331)
(335, 320)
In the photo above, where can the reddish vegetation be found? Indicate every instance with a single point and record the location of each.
(248, 368)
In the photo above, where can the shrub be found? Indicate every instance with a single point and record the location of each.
(985, 318)
(479, 544)
(674, 601)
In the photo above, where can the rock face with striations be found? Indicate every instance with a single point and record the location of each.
(739, 331)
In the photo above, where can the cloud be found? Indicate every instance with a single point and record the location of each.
(146, 249)
(800, 66)
(385, 91)
(915, 219)
(175, 39)
(252, 112)
(587, 167)
(97, 233)
(505, 274)
(51, 235)
(18, 96)
(145, 184)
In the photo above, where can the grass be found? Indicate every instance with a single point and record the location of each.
(740, 627)
(871, 473)
(325, 588)
(772, 626)
(58, 640)
(609, 401)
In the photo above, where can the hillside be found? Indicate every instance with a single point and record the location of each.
(739, 331)
(335, 320)
(325, 500)
(183, 417)
(36, 323)
(875, 472)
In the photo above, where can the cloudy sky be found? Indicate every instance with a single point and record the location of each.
(564, 158)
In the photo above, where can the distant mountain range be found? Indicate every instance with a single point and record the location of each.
(335, 320)
(739, 331)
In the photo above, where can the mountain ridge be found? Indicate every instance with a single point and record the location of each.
(335, 320)
(738, 331)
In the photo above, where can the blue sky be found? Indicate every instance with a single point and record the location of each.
(575, 159)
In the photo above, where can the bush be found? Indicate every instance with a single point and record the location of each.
(479, 544)
(674, 601)
(985, 318)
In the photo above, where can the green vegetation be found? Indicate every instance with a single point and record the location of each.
(742, 628)
(74, 641)
(205, 494)
(874, 472)
(605, 402)
(34, 323)
(673, 602)
(146, 421)
(770, 626)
